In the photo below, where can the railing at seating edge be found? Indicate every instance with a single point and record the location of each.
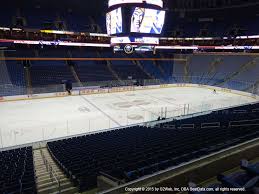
(52, 172)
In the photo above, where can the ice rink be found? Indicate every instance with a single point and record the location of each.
(36, 120)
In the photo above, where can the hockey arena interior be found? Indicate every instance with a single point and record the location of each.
(129, 96)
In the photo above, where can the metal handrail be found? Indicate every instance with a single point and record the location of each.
(52, 172)
(242, 121)
(112, 178)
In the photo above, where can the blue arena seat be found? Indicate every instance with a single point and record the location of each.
(17, 171)
(250, 168)
(239, 180)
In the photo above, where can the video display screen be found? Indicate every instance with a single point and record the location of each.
(149, 21)
(153, 2)
(114, 22)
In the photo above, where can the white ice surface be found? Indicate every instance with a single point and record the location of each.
(29, 121)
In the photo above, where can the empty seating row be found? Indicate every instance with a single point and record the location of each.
(130, 153)
(17, 171)
(50, 73)
(248, 180)
(244, 115)
(208, 70)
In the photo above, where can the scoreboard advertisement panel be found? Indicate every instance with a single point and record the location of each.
(135, 40)
(148, 21)
(114, 22)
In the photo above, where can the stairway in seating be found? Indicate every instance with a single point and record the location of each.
(161, 71)
(213, 66)
(4, 74)
(138, 63)
(153, 68)
(28, 80)
(45, 183)
(243, 68)
(187, 69)
(253, 88)
(159, 66)
(109, 66)
(72, 69)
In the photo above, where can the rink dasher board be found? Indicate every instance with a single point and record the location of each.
(121, 89)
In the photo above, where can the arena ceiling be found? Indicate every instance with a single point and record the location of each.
(208, 4)
(171, 4)
(95, 7)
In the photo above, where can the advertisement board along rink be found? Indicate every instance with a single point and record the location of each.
(28, 121)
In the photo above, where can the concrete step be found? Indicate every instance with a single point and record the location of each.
(37, 156)
(42, 163)
(44, 182)
(39, 166)
(48, 179)
(47, 155)
(43, 168)
(40, 157)
(44, 186)
(39, 150)
(43, 173)
(65, 187)
(37, 159)
(47, 176)
(64, 184)
(70, 190)
(36, 152)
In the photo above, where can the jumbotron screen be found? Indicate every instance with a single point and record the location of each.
(148, 21)
(114, 22)
(151, 2)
